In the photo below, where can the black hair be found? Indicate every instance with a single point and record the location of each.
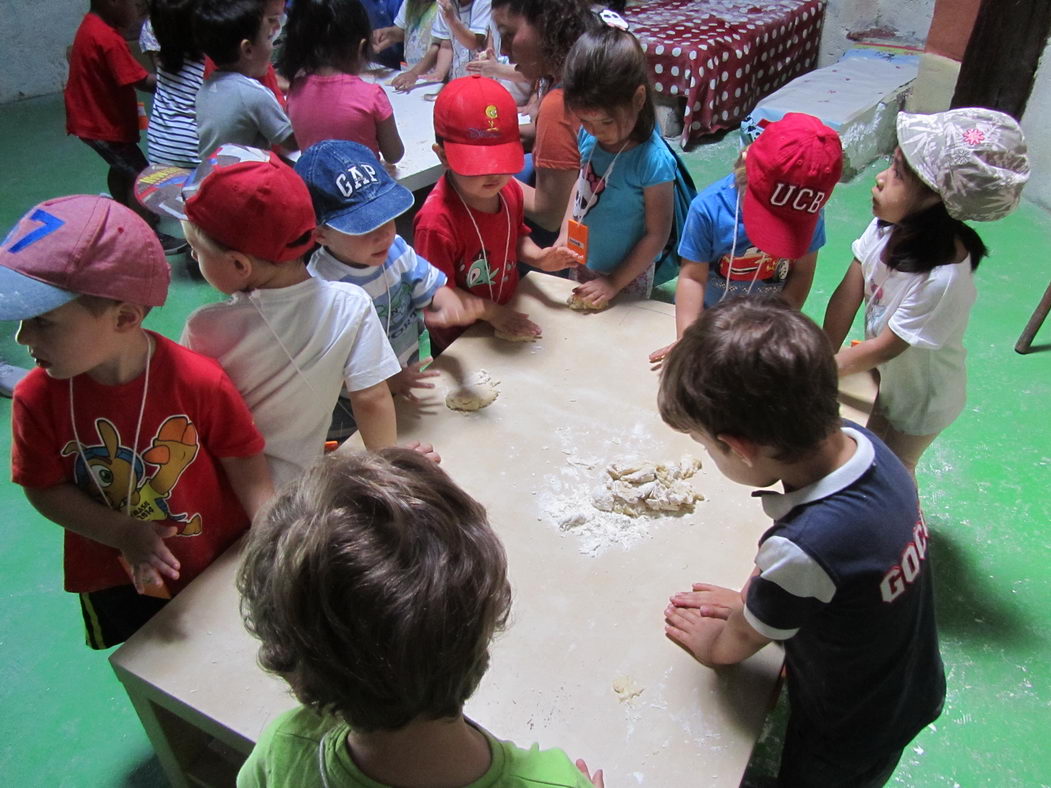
(219, 26)
(603, 70)
(324, 33)
(926, 238)
(559, 24)
(172, 22)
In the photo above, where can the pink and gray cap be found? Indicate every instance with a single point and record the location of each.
(80, 245)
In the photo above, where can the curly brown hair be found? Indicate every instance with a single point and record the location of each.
(753, 368)
(559, 23)
(375, 585)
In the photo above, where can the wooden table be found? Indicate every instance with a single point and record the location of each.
(583, 394)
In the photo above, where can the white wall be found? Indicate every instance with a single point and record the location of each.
(908, 20)
(34, 35)
(1034, 124)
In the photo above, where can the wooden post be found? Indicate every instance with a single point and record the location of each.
(1002, 55)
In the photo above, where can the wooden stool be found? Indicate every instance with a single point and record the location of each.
(1035, 321)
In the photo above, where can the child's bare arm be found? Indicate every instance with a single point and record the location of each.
(870, 353)
(551, 258)
(709, 624)
(470, 40)
(373, 409)
(659, 207)
(689, 302)
(147, 84)
(443, 62)
(140, 542)
(389, 139)
(799, 280)
(452, 306)
(844, 304)
(250, 479)
(407, 79)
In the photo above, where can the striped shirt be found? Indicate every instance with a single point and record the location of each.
(172, 134)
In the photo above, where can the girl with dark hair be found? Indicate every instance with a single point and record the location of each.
(167, 37)
(623, 203)
(326, 46)
(537, 36)
(914, 265)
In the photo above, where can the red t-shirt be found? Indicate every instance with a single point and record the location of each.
(100, 93)
(193, 417)
(268, 80)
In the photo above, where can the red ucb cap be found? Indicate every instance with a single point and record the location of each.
(792, 167)
(251, 201)
(477, 120)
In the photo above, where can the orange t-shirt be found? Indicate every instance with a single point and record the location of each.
(555, 147)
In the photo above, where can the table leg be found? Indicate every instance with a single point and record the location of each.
(1035, 321)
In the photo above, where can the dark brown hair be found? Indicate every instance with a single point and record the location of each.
(603, 70)
(753, 368)
(375, 585)
(559, 23)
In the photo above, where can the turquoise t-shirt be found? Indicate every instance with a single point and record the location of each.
(287, 756)
(616, 219)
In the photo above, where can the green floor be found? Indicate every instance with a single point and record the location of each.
(66, 720)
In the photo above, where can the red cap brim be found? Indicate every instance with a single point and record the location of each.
(501, 159)
(775, 235)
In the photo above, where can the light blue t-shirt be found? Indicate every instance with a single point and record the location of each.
(400, 288)
(708, 237)
(617, 217)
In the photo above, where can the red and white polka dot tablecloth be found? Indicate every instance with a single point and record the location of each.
(722, 56)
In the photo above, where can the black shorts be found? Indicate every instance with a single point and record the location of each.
(125, 157)
(113, 615)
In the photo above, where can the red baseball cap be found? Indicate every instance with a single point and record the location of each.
(80, 245)
(251, 201)
(792, 166)
(477, 121)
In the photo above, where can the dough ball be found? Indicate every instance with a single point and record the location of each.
(477, 392)
(578, 304)
(515, 337)
(626, 688)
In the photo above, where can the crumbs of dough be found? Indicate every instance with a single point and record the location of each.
(578, 304)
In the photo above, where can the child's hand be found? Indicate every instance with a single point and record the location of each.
(507, 321)
(657, 356)
(142, 546)
(557, 258)
(412, 377)
(597, 291)
(404, 81)
(708, 600)
(447, 10)
(692, 631)
(596, 778)
(425, 449)
(382, 38)
(451, 307)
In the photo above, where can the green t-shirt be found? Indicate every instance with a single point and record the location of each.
(293, 748)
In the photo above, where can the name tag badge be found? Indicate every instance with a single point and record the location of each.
(578, 239)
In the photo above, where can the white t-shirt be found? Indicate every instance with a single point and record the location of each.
(924, 389)
(476, 18)
(332, 334)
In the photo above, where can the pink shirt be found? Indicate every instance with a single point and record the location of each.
(337, 107)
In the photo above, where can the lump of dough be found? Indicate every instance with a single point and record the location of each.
(626, 688)
(477, 392)
(578, 304)
(515, 337)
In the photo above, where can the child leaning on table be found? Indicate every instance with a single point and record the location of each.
(356, 202)
(288, 341)
(757, 231)
(842, 576)
(375, 585)
(142, 450)
(472, 224)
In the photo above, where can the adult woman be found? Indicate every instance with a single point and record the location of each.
(537, 35)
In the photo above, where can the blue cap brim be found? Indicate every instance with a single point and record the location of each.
(22, 297)
(366, 217)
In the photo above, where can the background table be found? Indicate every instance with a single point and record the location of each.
(722, 56)
(583, 394)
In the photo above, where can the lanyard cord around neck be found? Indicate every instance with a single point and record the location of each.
(578, 213)
(481, 243)
(733, 253)
(134, 446)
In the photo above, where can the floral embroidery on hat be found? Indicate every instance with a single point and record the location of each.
(974, 136)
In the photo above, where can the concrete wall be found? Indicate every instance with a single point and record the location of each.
(1035, 124)
(34, 35)
(907, 20)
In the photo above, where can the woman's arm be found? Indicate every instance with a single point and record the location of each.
(546, 204)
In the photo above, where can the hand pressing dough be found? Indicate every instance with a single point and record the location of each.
(639, 488)
(515, 337)
(478, 391)
(578, 304)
